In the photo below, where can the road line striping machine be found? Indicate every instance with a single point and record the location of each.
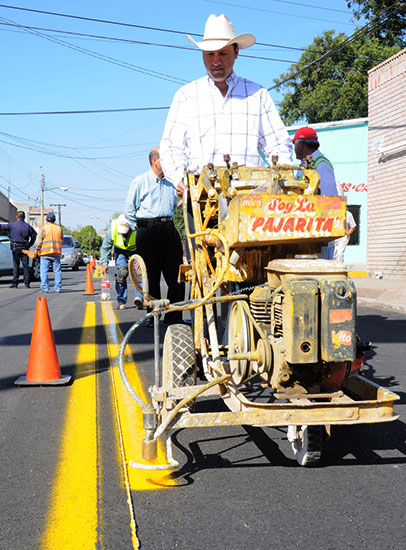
(273, 327)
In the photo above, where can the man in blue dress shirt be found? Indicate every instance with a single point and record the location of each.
(22, 237)
(150, 205)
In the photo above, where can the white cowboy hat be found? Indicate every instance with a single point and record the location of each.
(123, 225)
(219, 33)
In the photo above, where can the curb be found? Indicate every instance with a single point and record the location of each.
(379, 304)
(357, 274)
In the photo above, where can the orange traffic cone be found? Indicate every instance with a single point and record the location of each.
(43, 365)
(89, 282)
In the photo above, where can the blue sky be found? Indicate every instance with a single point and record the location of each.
(97, 155)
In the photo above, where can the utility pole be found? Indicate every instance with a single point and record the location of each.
(42, 198)
(58, 204)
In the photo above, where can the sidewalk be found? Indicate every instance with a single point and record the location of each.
(381, 293)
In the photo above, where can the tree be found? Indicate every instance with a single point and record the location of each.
(66, 230)
(179, 222)
(90, 241)
(335, 88)
(390, 18)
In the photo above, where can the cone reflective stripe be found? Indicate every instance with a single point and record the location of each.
(43, 365)
(89, 282)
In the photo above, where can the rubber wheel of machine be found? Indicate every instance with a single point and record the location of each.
(308, 445)
(179, 359)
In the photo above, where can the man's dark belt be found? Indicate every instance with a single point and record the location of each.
(145, 222)
(18, 245)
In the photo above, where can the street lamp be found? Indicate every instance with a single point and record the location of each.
(42, 194)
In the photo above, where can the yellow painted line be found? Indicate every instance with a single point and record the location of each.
(129, 413)
(72, 520)
(97, 274)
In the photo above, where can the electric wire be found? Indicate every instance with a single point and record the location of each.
(173, 46)
(13, 185)
(278, 12)
(120, 23)
(108, 59)
(309, 6)
(359, 33)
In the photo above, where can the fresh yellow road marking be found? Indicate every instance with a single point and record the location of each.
(128, 412)
(72, 520)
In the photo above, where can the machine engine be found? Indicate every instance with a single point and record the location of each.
(305, 316)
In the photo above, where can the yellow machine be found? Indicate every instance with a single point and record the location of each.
(273, 327)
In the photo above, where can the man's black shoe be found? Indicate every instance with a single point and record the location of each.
(13, 285)
(27, 286)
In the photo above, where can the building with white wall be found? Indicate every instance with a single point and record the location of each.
(345, 144)
(386, 250)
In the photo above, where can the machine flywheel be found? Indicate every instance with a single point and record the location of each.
(240, 340)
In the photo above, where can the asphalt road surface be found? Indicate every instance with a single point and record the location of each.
(65, 478)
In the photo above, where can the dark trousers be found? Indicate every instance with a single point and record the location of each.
(17, 257)
(160, 247)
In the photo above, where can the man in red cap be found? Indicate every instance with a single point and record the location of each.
(306, 144)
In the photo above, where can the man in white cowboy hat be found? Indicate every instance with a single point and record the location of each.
(221, 113)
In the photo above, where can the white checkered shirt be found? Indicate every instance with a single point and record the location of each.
(202, 126)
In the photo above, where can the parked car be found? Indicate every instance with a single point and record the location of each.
(69, 256)
(80, 252)
(6, 261)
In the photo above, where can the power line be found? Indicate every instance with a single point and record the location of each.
(87, 111)
(145, 27)
(277, 12)
(63, 155)
(139, 42)
(95, 20)
(309, 6)
(98, 111)
(106, 58)
(13, 185)
(133, 25)
(70, 147)
(94, 207)
(359, 33)
(145, 43)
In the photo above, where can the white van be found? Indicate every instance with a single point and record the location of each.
(69, 257)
